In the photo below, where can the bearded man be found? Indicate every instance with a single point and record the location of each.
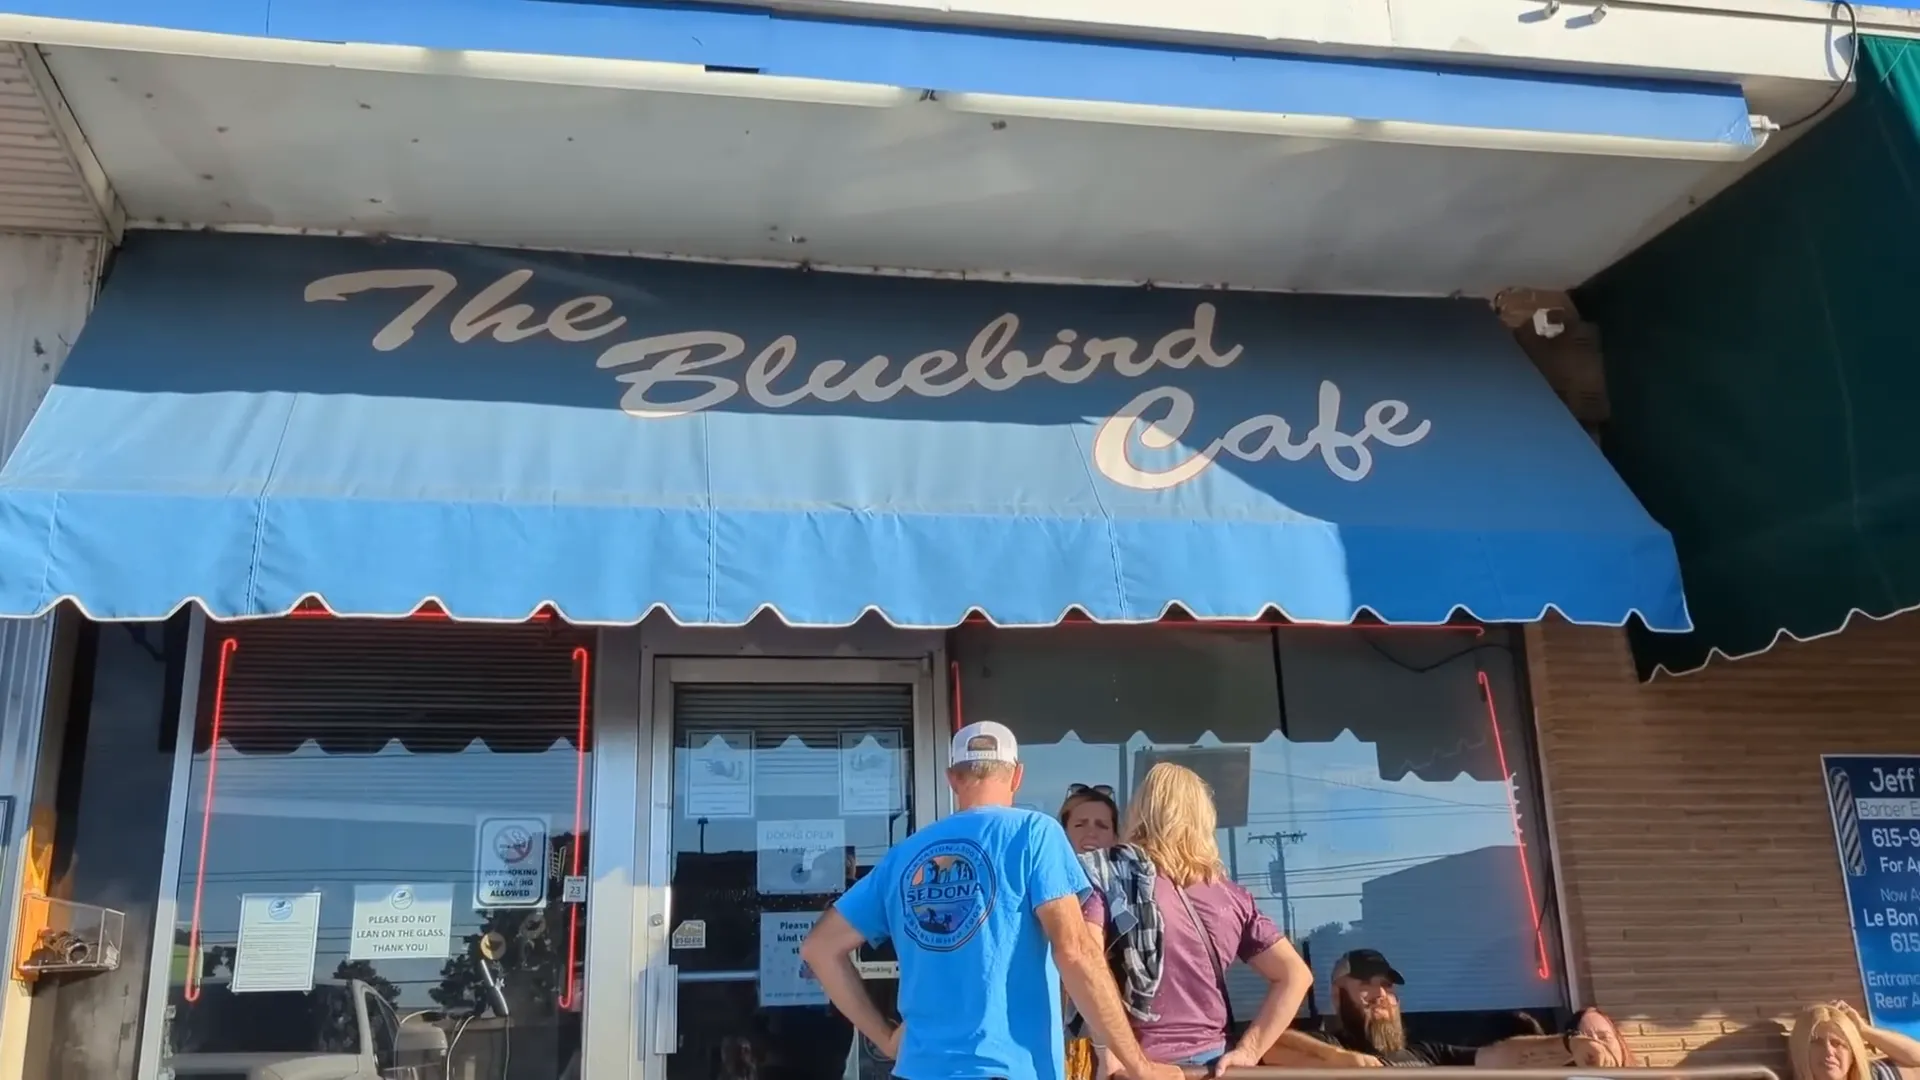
(1366, 1030)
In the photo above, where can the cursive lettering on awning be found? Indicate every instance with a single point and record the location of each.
(685, 372)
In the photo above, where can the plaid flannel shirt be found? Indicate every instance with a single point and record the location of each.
(1124, 878)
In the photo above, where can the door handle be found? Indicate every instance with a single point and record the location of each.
(664, 1014)
(666, 1010)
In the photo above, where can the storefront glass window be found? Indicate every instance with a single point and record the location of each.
(1368, 795)
(382, 825)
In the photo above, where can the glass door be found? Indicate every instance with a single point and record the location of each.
(785, 782)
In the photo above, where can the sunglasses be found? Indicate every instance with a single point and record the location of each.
(1094, 789)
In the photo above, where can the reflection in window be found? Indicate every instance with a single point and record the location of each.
(1366, 796)
(381, 819)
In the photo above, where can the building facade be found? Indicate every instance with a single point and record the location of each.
(391, 680)
(1692, 835)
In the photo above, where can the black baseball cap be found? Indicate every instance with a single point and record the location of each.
(1367, 964)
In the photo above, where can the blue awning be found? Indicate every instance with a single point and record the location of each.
(248, 422)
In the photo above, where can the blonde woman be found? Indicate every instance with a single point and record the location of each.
(1833, 1042)
(1174, 921)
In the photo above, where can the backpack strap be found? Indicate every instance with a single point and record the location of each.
(1213, 954)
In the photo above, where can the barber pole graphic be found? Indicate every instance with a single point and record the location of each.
(1846, 820)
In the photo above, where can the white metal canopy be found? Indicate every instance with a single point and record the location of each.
(571, 154)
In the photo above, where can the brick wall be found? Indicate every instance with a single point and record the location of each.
(1696, 855)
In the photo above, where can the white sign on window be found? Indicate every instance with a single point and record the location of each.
(691, 934)
(279, 934)
(397, 922)
(785, 979)
(802, 857)
(719, 774)
(510, 863)
(870, 773)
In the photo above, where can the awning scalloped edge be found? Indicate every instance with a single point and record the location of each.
(1714, 652)
(427, 604)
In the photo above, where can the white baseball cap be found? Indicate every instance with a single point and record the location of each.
(984, 741)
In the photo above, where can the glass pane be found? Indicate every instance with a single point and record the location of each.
(1366, 797)
(784, 795)
(1414, 804)
(381, 824)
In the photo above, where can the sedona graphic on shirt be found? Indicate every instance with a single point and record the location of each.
(948, 893)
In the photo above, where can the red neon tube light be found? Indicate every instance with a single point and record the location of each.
(959, 718)
(228, 647)
(583, 661)
(1544, 969)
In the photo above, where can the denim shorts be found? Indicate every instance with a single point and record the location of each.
(1204, 1057)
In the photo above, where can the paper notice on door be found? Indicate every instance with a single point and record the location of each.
(510, 863)
(279, 933)
(719, 774)
(870, 773)
(807, 857)
(785, 979)
(402, 922)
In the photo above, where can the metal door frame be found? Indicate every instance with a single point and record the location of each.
(667, 655)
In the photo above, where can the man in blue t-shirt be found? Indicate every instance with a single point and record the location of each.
(979, 905)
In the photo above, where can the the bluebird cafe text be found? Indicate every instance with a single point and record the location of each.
(703, 363)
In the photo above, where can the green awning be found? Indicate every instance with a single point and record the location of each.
(1763, 366)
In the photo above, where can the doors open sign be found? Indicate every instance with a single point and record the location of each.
(510, 863)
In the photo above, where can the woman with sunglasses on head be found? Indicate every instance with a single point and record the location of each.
(1173, 921)
(1091, 817)
(1092, 821)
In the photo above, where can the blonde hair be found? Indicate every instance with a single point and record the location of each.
(1808, 1024)
(1171, 818)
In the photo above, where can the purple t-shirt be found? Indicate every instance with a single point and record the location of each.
(1193, 1018)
